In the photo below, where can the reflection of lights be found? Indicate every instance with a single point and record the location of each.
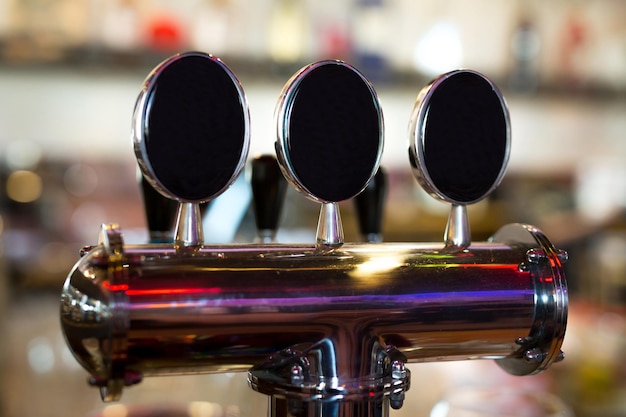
(440, 409)
(24, 186)
(115, 410)
(172, 291)
(377, 265)
(115, 287)
(80, 180)
(22, 155)
(56, 257)
(204, 409)
(233, 411)
(440, 50)
(85, 216)
(160, 291)
(600, 188)
(286, 33)
(40, 355)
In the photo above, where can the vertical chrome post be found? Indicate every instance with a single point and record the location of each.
(188, 231)
(329, 227)
(457, 234)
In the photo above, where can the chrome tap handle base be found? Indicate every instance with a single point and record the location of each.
(188, 231)
(457, 234)
(329, 227)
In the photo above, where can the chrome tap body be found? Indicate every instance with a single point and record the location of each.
(130, 311)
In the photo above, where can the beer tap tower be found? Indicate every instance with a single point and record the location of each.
(323, 328)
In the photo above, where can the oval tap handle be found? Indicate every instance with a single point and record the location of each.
(191, 135)
(329, 139)
(268, 195)
(460, 140)
(160, 213)
(369, 205)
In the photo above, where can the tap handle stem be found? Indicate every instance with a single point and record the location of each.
(369, 205)
(268, 191)
(160, 213)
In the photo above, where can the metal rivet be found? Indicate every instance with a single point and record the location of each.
(522, 341)
(396, 400)
(562, 255)
(536, 255)
(297, 374)
(85, 250)
(560, 357)
(398, 371)
(534, 355)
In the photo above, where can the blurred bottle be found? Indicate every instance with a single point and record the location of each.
(211, 26)
(166, 31)
(372, 38)
(525, 47)
(476, 401)
(287, 32)
(121, 26)
(573, 39)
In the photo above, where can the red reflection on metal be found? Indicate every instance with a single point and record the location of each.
(492, 266)
(173, 291)
(115, 287)
(160, 291)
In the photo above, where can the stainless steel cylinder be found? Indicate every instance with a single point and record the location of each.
(133, 311)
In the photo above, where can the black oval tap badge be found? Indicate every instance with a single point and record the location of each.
(330, 131)
(460, 137)
(191, 127)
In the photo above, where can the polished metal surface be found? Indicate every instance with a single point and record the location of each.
(188, 230)
(134, 311)
(329, 227)
(457, 233)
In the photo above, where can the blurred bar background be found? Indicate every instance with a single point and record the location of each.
(70, 71)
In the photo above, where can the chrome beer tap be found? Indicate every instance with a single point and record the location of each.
(323, 328)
